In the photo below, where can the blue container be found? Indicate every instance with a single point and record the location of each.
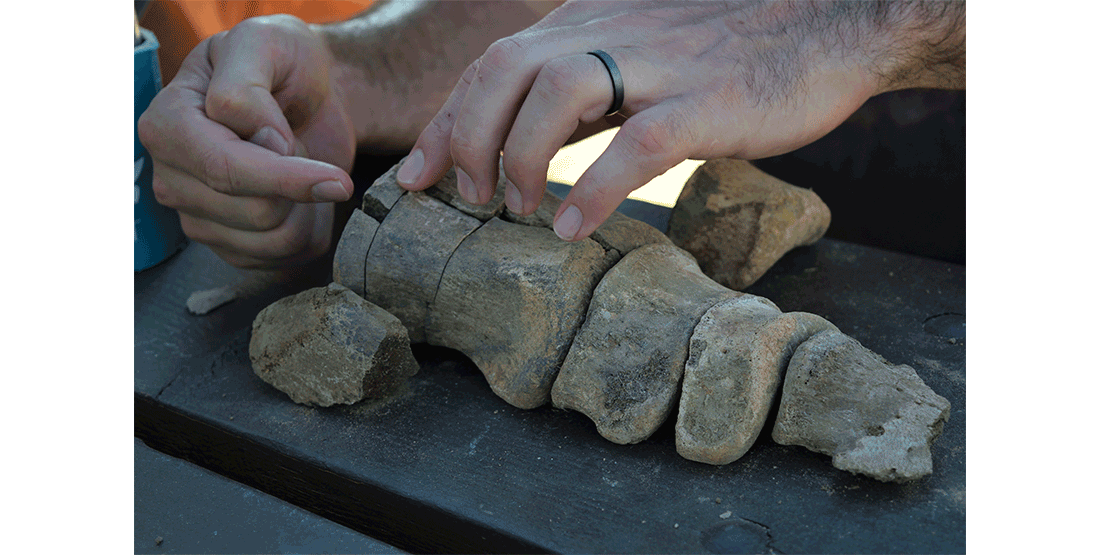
(157, 232)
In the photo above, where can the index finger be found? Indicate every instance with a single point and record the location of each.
(215, 155)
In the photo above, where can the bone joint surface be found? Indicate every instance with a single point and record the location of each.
(626, 328)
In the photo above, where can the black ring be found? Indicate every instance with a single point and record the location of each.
(616, 80)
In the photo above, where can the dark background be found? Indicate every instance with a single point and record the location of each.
(893, 174)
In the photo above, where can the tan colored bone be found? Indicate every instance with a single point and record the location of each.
(511, 299)
(527, 310)
(738, 221)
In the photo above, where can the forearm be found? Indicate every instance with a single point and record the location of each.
(907, 43)
(396, 64)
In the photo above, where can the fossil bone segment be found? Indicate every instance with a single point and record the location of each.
(626, 328)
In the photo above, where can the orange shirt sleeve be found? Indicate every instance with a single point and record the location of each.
(181, 25)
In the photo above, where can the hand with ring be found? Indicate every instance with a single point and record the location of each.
(695, 80)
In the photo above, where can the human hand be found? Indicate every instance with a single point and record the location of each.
(252, 143)
(702, 80)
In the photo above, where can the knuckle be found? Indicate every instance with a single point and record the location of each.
(163, 192)
(522, 170)
(263, 214)
(651, 138)
(503, 56)
(558, 78)
(464, 145)
(470, 73)
(287, 241)
(195, 231)
(225, 103)
(218, 172)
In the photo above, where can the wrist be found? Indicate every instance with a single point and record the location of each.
(921, 45)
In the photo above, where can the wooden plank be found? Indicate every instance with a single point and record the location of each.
(183, 508)
(446, 466)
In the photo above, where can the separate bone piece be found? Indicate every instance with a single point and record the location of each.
(872, 417)
(327, 345)
(383, 193)
(511, 299)
(408, 255)
(348, 264)
(624, 368)
(446, 190)
(620, 233)
(738, 354)
(738, 221)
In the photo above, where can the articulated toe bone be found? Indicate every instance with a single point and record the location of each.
(327, 345)
(739, 352)
(351, 252)
(626, 362)
(408, 254)
(872, 417)
(446, 190)
(738, 221)
(383, 194)
(511, 299)
(618, 233)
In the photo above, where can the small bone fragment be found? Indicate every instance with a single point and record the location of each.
(624, 368)
(511, 299)
(327, 345)
(349, 262)
(620, 233)
(201, 303)
(408, 255)
(738, 221)
(383, 193)
(738, 355)
(872, 417)
(446, 190)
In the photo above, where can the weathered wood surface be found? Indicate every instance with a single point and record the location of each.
(445, 465)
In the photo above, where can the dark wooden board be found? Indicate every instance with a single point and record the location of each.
(444, 465)
(183, 508)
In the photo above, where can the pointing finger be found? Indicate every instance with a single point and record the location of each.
(647, 145)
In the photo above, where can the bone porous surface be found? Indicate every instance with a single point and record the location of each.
(383, 193)
(738, 221)
(348, 264)
(511, 299)
(624, 368)
(327, 346)
(872, 417)
(619, 233)
(738, 355)
(407, 257)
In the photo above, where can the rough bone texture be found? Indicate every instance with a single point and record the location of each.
(620, 326)
(383, 194)
(511, 299)
(408, 256)
(327, 346)
(619, 233)
(739, 352)
(626, 362)
(351, 251)
(872, 417)
(738, 221)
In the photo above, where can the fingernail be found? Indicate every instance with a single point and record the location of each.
(410, 170)
(270, 139)
(513, 198)
(329, 191)
(466, 186)
(569, 223)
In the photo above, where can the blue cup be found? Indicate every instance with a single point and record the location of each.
(157, 232)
